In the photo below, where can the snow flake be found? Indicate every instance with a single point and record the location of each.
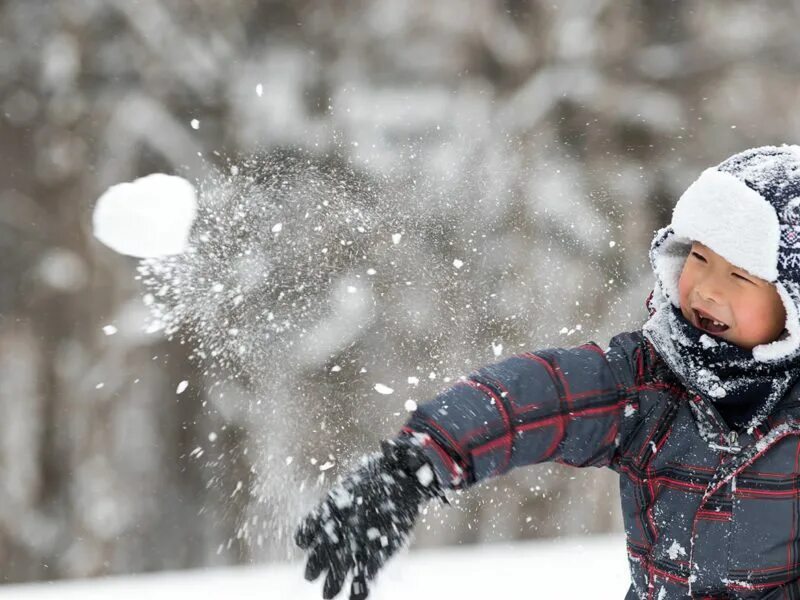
(109, 330)
(676, 550)
(425, 475)
(383, 389)
(182, 387)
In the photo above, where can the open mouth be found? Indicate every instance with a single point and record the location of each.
(707, 323)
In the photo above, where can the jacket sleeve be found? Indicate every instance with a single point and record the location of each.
(564, 405)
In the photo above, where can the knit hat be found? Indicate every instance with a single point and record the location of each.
(746, 209)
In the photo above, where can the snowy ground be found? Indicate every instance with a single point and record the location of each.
(586, 567)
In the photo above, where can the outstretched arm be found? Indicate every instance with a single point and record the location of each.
(563, 405)
(557, 404)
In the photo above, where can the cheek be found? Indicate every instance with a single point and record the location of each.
(685, 283)
(760, 319)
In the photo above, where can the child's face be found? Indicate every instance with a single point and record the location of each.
(748, 310)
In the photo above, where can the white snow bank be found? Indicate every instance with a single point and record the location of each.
(586, 567)
(150, 217)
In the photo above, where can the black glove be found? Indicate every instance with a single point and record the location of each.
(367, 516)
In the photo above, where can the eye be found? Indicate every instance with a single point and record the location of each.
(699, 256)
(743, 278)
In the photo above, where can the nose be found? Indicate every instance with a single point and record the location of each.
(710, 290)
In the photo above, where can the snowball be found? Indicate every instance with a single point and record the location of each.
(150, 217)
(383, 389)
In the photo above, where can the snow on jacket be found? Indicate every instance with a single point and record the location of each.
(703, 519)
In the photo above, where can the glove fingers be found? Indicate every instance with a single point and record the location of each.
(359, 589)
(334, 581)
(314, 565)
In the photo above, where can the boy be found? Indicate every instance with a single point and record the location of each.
(698, 412)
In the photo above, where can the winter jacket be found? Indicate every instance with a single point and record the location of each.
(703, 519)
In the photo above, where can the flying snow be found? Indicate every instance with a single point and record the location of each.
(147, 218)
(383, 389)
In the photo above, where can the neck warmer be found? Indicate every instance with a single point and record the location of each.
(743, 389)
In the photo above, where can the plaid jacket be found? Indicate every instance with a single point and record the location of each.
(708, 513)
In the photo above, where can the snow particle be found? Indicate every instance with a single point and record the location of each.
(612, 243)
(396, 238)
(109, 330)
(425, 475)
(383, 389)
(277, 227)
(676, 550)
(259, 90)
(413, 380)
(182, 387)
(410, 406)
(458, 263)
(195, 124)
(212, 437)
(289, 460)
(371, 271)
(497, 349)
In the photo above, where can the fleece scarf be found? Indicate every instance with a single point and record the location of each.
(743, 389)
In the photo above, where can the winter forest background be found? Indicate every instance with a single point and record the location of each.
(522, 152)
